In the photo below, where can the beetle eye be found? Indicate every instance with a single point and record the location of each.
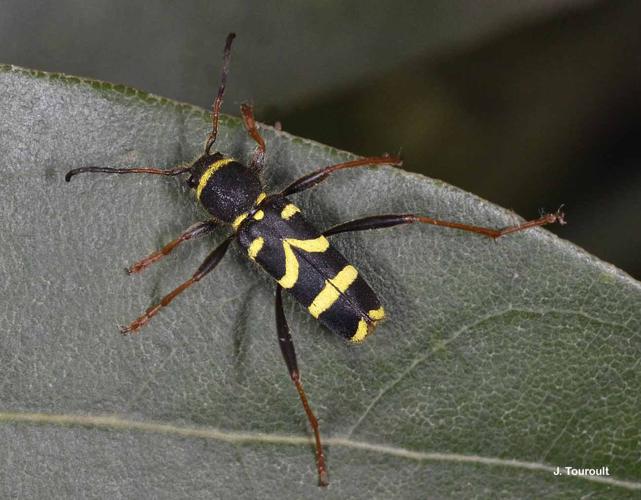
(192, 181)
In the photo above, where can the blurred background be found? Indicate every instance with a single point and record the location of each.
(528, 104)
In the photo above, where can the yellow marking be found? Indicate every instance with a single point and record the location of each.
(319, 244)
(290, 277)
(361, 332)
(364, 329)
(260, 198)
(209, 172)
(259, 215)
(255, 247)
(345, 278)
(332, 290)
(376, 314)
(238, 220)
(289, 211)
(291, 267)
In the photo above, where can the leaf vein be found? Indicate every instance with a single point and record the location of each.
(235, 437)
(423, 357)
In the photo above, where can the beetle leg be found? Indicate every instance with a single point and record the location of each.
(389, 220)
(250, 124)
(311, 179)
(205, 268)
(191, 232)
(287, 348)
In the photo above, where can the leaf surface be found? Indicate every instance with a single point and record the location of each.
(499, 361)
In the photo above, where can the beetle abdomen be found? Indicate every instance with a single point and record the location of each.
(303, 262)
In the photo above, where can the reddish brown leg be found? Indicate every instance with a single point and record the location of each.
(192, 232)
(310, 180)
(205, 268)
(218, 102)
(250, 124)
(287, 348)
(381, 221)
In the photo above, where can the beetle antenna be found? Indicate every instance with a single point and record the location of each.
(141, 170)
(218, 102)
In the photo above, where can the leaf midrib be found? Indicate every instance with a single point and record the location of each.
(116, 422)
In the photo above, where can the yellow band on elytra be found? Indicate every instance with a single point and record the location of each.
(377, 314)
(255, 247)
(290, 277)
(289, 211)
(361, 331)
(332, 290)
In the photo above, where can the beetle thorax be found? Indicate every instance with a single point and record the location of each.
(225, 187)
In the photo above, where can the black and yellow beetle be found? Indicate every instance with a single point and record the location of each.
(275, 234)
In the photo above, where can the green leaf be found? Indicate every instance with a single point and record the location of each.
(499, 361)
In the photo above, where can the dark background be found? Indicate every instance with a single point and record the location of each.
(528, 104)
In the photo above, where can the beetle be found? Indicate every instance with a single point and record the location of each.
(275, 234)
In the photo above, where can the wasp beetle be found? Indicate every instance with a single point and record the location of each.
(274, 233)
